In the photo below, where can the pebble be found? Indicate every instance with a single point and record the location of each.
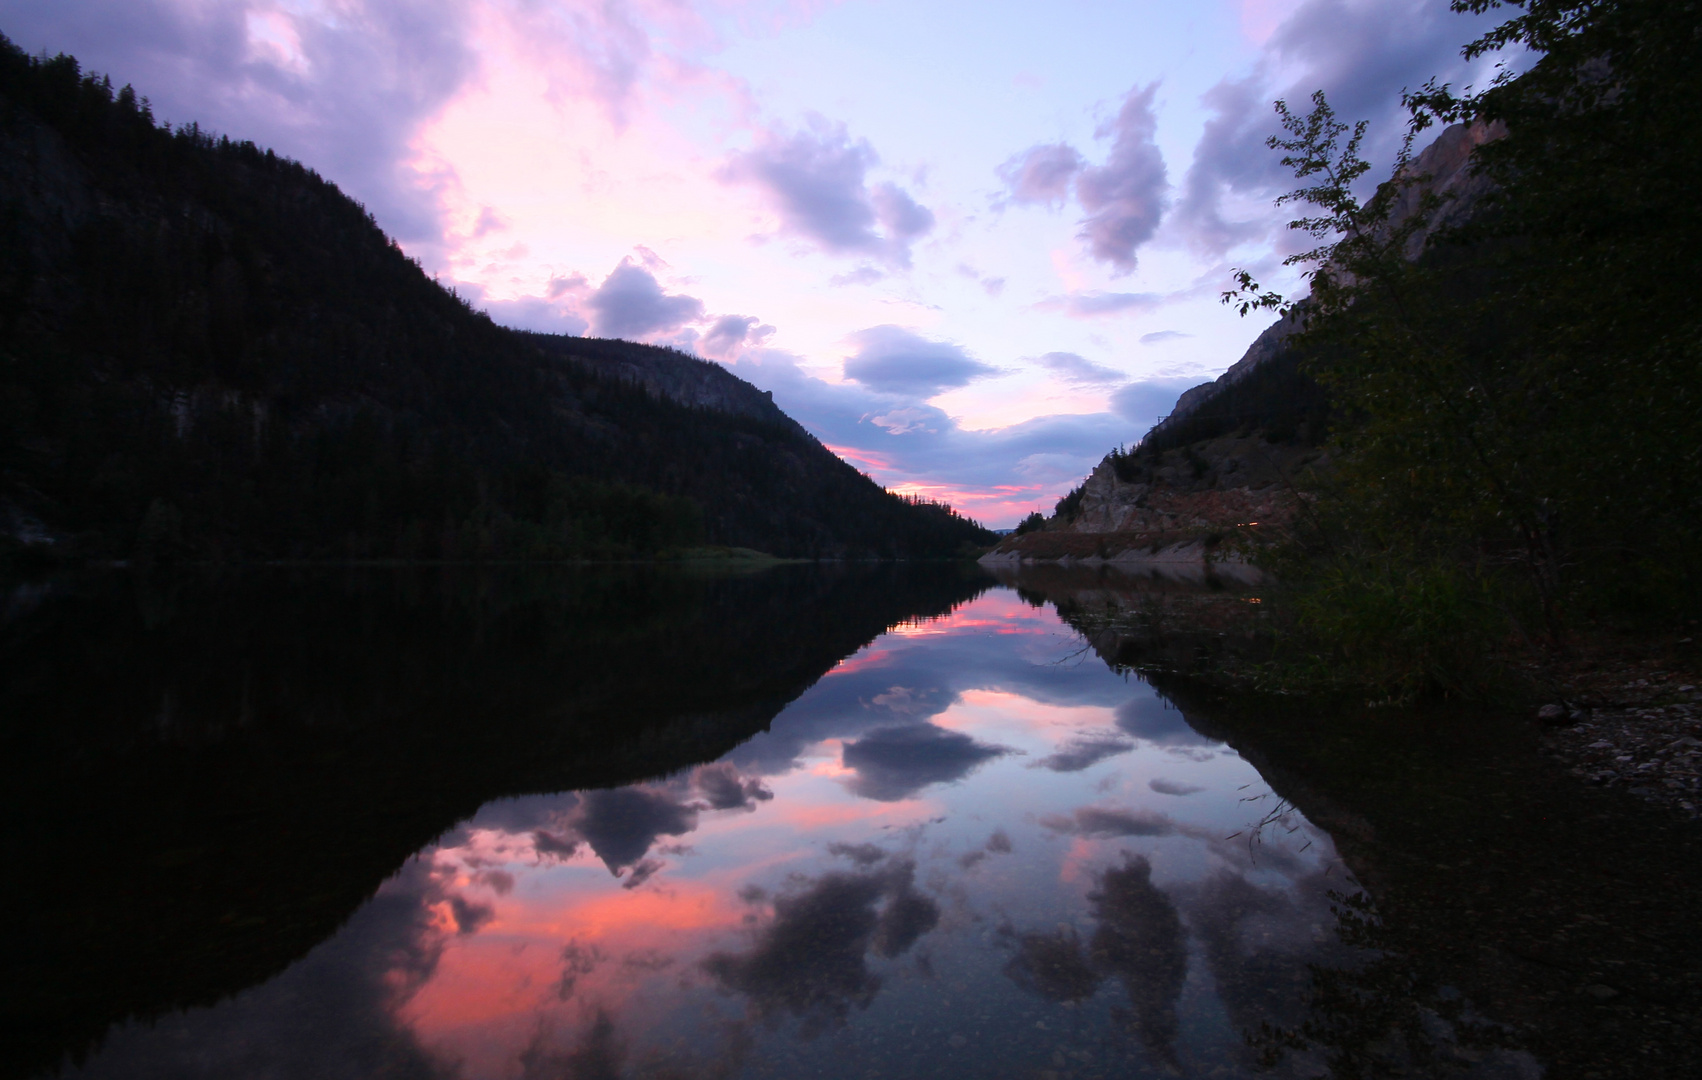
(1650, 748)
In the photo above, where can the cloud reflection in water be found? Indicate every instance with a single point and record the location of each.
(885, 862)
(896, 762)
(811, 959)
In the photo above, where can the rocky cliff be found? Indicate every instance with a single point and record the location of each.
(670, 374)
(1226, 460)
(1232, 480)
(1440, 169)
(1203, 501)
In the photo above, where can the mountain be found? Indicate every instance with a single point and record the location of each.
(1228, 455)
(208, 351)
(1265, 388)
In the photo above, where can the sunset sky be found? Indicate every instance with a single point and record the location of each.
(970, 246)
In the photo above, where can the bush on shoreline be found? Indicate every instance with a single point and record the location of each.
(1518, 411)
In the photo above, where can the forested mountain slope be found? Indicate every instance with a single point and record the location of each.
(208, 351)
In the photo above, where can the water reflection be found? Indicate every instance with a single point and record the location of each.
(208, 775)
(964, 850)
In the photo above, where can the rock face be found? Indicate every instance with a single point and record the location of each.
(1443, 169)
(1178, 506)
(1266, 347)
(1443, 165)
(670, 374)
(1230, 481)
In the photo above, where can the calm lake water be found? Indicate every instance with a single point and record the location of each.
(869, 823)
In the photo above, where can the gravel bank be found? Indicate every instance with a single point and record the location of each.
(1628, 727)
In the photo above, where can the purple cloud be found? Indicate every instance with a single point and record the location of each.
(1156, 721)
(903, 218)
(818, 182)
(562, 286)
(891, 359)
(894, 763)
(1084, 752)
(1125, 197)
(1080, 371)
(914, 441)
(810, 959)
(1172, 787)
(731, 333)
(1360, 53)
(1041, 175)
(726, 789)
(344, 94)
(1142, 403)
(620, 824)
(534, 313)
(1105, 822)
(1231, 157)
(630, 303)
(1087, 305)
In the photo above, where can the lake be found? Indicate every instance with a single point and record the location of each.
(861, 822)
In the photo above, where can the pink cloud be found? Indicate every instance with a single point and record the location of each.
(816, 181)
(632, 304)
(1125, 197)
(1042, 175)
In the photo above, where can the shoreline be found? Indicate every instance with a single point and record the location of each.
(1629, 717)
(1199, 556)
(1616, 710)
(741, 557)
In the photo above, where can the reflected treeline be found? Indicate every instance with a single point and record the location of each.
(1263, 944)
(1508, 909)
(1394, 1000)
(1507, 905)
(1186, 617)
(206, 776)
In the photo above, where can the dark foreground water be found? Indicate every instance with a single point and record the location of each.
(857, 822)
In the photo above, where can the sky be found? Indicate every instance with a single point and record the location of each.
(970, 246)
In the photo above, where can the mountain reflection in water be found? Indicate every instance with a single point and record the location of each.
(964, 850)
(878, 822)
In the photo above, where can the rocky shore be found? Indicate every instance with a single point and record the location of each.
(1633, 724)
(1194, 556)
